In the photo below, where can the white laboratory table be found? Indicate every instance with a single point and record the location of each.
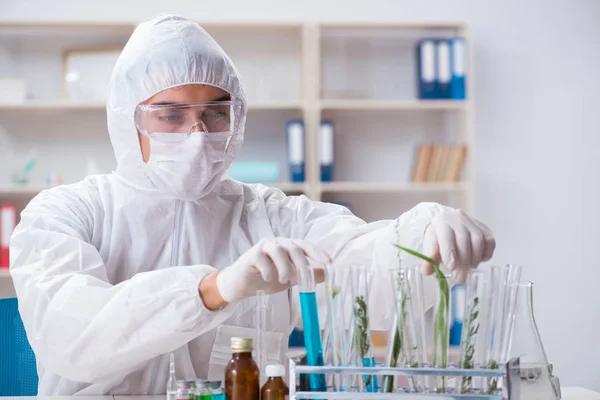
(568, 393)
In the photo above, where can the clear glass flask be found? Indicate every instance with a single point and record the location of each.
(537, 382)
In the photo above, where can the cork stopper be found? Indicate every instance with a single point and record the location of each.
(241, 345)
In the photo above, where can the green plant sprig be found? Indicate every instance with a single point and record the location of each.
(492, 382)
(440, 326)
(471, 327)
(335, 290)
(362, 334)
(388, 380)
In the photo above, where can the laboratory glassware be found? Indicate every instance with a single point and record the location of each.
(261, 328)
(537, 381)
(242, 374)
(441, 329)
(275, 388)
(361, 280)
(406, 345)
(172, 382)
(310, 322)
(336, 326)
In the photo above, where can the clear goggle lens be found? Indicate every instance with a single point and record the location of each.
(175, 122)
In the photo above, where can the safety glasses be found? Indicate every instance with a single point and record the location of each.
(176, 122)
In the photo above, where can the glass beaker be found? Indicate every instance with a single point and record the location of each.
(525, 342)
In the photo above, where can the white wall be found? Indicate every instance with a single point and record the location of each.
(538, 134)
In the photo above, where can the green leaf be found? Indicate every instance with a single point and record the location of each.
(417, 254)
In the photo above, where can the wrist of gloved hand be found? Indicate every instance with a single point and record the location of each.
(209, 292)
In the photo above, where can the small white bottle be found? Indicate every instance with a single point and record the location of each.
(172, 383)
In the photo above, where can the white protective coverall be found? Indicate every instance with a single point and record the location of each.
(107, 270)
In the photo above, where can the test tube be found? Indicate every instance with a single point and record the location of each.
(310, 321)
(407, 338)
(261, 327)
(473, 345)
(337, 327)
(361, 279)
(510, 307)
(505, 280)
(441, 331)
(172, 382)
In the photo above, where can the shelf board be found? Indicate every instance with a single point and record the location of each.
(101, 106)
(21, 190)
(393, 105)
(53, 106)
(288, 186)
(392, 25)
(32, 190)
(391, 187)
(274, 105)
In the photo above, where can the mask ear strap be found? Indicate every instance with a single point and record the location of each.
(228, 143)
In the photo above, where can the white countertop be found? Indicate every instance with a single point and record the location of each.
(568, 393)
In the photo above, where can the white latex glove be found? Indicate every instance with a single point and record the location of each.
(270, 265)
(458, 242)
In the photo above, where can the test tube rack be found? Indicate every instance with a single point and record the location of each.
(510, 374)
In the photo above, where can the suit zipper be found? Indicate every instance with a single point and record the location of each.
(174, 262)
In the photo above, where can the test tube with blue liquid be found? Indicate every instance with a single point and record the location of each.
(310, 321)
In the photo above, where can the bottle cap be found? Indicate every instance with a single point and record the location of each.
(186, 384)
(241, 345)
(201, 383)
(213, 384)
(276, 370)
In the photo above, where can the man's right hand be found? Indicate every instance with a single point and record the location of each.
(270, 265)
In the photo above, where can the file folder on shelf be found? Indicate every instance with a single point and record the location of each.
(426, 68)
(458, 57)
(443, 72)
(295, 150)
(326, 150)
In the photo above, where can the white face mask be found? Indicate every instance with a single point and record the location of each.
(189, 169)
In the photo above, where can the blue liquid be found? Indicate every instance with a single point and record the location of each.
(370, 380)
(312, 339)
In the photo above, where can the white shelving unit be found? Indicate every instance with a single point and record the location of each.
(359, 75)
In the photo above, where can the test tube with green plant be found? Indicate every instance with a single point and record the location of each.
(476, 322)
(441, 319)
(361, 279)
(407, 344)
(336, 327)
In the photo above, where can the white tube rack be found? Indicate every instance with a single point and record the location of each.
(510, 373)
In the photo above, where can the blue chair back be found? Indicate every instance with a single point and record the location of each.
(18, 374)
